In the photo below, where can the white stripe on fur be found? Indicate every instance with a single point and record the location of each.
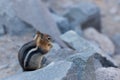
(29, 54)
(35, 37)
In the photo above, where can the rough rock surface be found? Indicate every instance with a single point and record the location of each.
(85, 14)
(103, 41)
(108, 74)
(110, 13)
(117, 59)
(9, 54)
(9, 20)
(62, 23)
(80, 44)
(72, 39)
(85, 64)
(116, 40)
(54, 71)
(39, 17)
(61, 54)
(2, 30)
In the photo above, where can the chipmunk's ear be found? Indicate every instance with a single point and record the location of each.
(38, 34)
(37, 38)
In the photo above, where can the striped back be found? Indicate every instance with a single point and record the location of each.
(24, 51)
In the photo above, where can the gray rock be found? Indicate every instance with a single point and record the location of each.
(85, 14)
(6, 8)
(108, 74)
(4, 66)
(87, 58)
(54, 71)
(61, 54)
(17, 27)
(116, 40)
(2, 30)
(73, 40)
(35, 13)
(103, 41)
(117, 59)
(113, 10)
(86, 64)
(55, 46)
(78, 30)
(118, 2)
(116, 18)
(106, 61)
(9, 70)
(9, 64)
(80, 44)
(13, 24)
(62, 23)
(59, 6)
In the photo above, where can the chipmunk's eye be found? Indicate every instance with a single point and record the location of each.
(49, 38)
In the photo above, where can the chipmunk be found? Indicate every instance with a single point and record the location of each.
(31, 54)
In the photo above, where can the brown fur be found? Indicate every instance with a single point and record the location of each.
(43, 41)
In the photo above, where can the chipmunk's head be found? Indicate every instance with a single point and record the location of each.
(43, 41)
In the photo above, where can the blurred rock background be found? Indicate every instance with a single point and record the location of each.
(86, 37)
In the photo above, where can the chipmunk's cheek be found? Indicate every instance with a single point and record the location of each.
(48, 48)
(51, 46)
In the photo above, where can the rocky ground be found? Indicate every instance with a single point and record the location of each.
(89, 28)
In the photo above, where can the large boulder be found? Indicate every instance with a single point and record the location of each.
(73, 40)
(36, 14)
(54, 71)
(85, 14)
(116, 40)
(61, 54)
(86, 60)
(117, 59)
(108, 74)
(2, 30)
(103, 41)
(62, 23)
(85, 64)
(11, 23)
(9, 64)
(59, 6)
